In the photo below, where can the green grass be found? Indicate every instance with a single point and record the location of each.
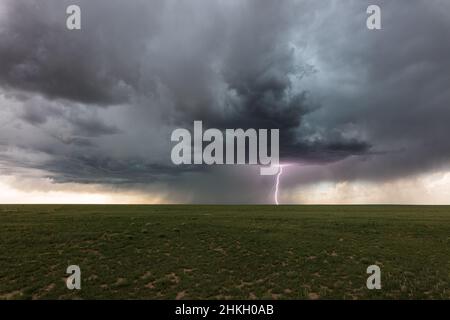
(225, 252)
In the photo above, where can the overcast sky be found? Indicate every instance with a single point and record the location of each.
(86, 115)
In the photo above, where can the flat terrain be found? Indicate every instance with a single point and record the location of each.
(229, 252)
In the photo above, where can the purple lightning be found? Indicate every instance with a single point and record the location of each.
(277, 184)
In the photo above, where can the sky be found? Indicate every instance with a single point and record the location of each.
(86, 115)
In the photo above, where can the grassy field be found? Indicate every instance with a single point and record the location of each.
(225, 252)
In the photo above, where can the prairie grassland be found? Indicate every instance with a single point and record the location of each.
(224, 252)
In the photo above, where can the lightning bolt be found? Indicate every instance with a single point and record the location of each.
(277, 183)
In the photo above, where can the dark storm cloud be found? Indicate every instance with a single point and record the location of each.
(93, 127)
(256, 62)
(392, 90)
(94, 169)
(127, 52)
(101, 102)
(80, 121)
(38, 54)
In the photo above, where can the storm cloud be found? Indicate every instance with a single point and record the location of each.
(98, 105)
